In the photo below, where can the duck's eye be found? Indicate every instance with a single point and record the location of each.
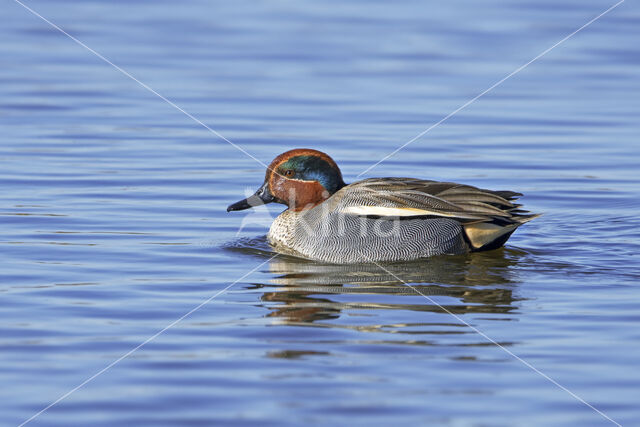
(289, 173)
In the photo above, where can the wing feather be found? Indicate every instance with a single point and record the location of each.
(407, 197)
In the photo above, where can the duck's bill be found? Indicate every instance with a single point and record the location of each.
(260, 197)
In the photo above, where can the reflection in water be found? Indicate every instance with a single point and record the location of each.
(295, 354)
(308, 292)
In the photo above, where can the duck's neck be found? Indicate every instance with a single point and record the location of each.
(307, 195)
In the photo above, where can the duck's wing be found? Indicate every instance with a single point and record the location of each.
(404, 197)
(485, 214)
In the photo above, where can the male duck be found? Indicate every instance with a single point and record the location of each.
(378, 219)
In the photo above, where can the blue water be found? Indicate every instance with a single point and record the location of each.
(113, 221)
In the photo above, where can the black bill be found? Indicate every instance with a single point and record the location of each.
(260, 197)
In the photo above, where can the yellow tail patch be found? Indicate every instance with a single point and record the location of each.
(483, 233)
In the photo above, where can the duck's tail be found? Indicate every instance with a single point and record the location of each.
(487, 235)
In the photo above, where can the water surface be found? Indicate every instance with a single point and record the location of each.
(113, 222)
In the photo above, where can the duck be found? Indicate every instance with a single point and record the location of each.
(378, 219)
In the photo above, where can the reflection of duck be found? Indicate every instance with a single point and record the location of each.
(480, 282)
(378, 219)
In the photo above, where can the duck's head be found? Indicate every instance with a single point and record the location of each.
(300, 178)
